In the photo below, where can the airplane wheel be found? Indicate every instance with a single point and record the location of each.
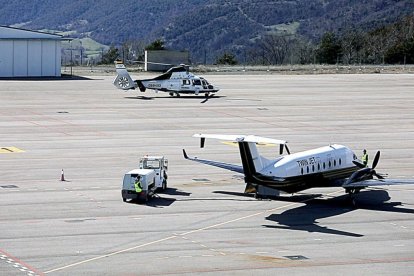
(124, 199)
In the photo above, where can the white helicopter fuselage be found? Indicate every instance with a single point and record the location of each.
(176, 80)
(181, 82)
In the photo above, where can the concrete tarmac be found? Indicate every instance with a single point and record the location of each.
(202, 224)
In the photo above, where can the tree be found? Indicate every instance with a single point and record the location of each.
(352, 45)
(401, 53)
(329, 49)
(275, 48)
(110, 56)
(227, 58)
(158, 44)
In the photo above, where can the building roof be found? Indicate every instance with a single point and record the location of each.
(16, 33)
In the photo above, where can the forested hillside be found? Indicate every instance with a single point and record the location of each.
(209, 28)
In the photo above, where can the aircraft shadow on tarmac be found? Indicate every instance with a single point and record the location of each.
(204, 99)
(304, 218)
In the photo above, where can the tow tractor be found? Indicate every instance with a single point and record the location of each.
(152, 175)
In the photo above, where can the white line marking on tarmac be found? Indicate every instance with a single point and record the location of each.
(183, 234)
(111, 254)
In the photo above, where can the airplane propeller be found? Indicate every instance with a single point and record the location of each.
(370, 171)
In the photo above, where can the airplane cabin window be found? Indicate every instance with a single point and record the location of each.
(329, 164)
(334, 163)
(301, 170)
(323, 165)
(313, 168)
(307, 169)
(319, 167)
(340, 161)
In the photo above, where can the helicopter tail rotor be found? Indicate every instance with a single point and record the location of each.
(123, 80)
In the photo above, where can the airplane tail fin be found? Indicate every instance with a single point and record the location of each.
(123, 80)
(252, 161)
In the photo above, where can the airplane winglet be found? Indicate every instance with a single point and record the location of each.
(185, 154)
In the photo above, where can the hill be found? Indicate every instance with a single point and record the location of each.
(205, 27)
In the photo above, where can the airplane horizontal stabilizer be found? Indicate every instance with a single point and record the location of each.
(227, 166)
(241, 138)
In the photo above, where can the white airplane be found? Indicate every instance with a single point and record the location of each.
(177, 80)
(330, 166)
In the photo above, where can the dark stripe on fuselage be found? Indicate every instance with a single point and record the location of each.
(330, 178)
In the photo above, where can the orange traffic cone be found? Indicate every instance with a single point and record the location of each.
(62, 176)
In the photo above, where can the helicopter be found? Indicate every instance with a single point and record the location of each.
(177, 80)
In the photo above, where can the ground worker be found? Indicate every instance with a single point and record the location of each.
(364, 158)
(138, 187)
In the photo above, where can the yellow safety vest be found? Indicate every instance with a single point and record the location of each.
(365, 159)
(138, 188)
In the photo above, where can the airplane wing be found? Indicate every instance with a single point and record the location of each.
(227, 166)
(378, 182)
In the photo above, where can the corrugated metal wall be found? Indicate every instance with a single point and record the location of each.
(30, 58)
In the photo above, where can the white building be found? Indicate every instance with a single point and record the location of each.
(25, 53)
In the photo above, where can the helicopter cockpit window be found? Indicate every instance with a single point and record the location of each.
(204, 83)
(196, 82)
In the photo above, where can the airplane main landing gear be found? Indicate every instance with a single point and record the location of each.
(352, 193)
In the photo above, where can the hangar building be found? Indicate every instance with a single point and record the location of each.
(25, 53)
